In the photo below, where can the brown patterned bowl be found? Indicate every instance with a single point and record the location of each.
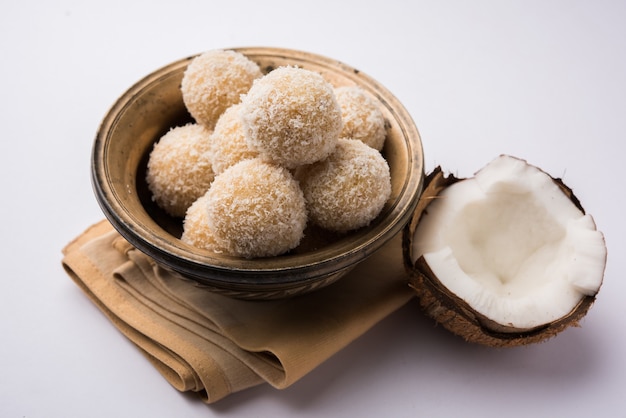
(154, 104)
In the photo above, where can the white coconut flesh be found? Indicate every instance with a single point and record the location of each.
(512, 245)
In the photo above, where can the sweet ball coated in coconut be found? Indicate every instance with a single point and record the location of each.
(196, 231)
(215, 80)
(347, 190)
(256, 209)
(291, 117)
(228, 141)
(362, 116)
(179, 168)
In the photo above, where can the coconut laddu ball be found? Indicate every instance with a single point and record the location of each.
(256, 209)
(179, 168)
(291, 117)
(347, 190)
(228, 141)
(215, 80)
(196, 231)
(362, 116)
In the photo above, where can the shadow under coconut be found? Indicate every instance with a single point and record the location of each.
(569, 357)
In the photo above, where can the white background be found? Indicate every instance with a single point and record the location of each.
(543, 80)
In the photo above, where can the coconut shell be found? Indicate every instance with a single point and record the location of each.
(452, 312)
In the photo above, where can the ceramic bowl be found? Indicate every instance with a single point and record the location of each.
(154, 105)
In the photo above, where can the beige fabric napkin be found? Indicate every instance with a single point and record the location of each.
(214, 345)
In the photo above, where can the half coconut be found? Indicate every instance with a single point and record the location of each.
(507, 257)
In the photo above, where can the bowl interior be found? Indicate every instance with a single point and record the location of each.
(154, 105)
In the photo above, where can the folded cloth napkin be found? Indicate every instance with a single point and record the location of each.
(214, 345)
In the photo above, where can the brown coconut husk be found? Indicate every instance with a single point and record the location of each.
(452, 312)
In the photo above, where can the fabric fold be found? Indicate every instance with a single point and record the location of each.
(214, 345)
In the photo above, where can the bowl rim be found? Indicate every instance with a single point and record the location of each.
(233, 271)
